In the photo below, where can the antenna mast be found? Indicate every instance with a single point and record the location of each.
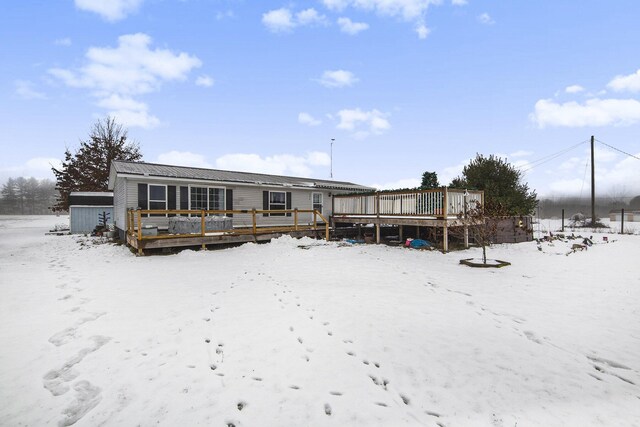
(332, 139)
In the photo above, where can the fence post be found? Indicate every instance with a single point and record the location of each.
(202, 228)
(255, 226)
(622, 222)
(562, 220)
(139, 232)
(378, 217)
(445, 232)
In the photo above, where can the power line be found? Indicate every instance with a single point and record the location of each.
(550, 157)
(619, 150)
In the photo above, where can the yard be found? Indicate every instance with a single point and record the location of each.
(305, 332)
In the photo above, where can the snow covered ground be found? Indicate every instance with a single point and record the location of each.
(304, 332)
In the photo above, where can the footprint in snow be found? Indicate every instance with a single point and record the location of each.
(327, 409)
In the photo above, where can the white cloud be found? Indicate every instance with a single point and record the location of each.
(280, 164)
(399, 184)
(204, 81)
(310, 17)
(62, 42)
(407, 10)
(111, 10)
(132, 68)
(183, 158)
(446, 175)
(520, 153)
(363, 123)
(318, 158)
(350, 27)
(283, 20)
(422, 31)
(337, 78)
(308, 119)
(630, 83)
(25, 90)
(37, 167)
(612, 174)
(574, 89)
(486, 19)
(279, 20)
(129, 112)
(594, 112)
(459, 2)
(220, 15)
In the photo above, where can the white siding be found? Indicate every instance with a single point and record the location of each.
(244, 198)
(84, 219)
(119, 191)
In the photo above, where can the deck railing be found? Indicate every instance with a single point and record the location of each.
(136, 219)
(441, 202)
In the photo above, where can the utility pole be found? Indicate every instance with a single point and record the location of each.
(593, 184)
(332, 139)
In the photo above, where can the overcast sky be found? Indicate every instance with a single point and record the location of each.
(404, 86)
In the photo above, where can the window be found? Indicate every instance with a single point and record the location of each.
(198, 198)
(207, 198)
(157, 198)
(317, 201)
(277, 202)
(216, 199)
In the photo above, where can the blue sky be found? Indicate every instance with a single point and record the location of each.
(404, 86)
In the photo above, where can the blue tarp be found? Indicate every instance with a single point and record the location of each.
(419, 244)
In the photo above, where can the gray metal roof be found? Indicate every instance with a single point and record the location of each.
(183, 172)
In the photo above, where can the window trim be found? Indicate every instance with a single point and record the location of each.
(284, 204)
(166, 199)
(313, 203)
(224, 192)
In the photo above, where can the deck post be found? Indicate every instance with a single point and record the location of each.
(445, 231)
(400, 232)
(315, 220)
(295, 219)
(255, 226)
(445, 237)
(466, 236)
(378, 217)
(466, 225)
(139, 240)
(202, 228)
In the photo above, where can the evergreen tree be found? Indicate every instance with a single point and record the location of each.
(27, 196)
(429, 181)
(88, 168)
(504, 191)
(9, 197)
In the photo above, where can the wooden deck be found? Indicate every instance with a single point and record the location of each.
(442, 208)
(137, 238)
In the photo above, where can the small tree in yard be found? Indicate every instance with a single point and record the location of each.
(481, 227)
(88, 168)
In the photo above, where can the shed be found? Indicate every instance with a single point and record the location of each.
(629, 216)
(86, 209)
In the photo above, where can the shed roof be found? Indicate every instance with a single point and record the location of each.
(184, 172)
(92, 193)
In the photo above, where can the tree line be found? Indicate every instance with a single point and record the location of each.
(27, 196)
